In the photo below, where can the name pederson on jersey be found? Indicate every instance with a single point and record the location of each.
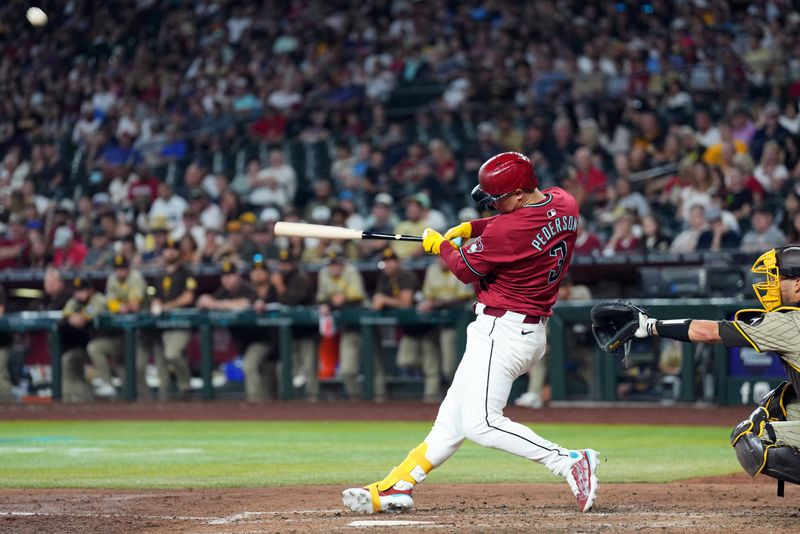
(519, 258)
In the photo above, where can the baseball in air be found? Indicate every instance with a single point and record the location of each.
(36, 16)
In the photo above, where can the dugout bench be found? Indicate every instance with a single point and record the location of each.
(729, 389)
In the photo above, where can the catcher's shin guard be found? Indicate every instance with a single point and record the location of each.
(404, 477)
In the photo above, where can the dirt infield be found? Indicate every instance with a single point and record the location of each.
(722, 504)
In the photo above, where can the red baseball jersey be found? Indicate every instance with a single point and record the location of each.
(519, 258)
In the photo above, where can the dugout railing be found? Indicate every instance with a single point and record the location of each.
(728, 389)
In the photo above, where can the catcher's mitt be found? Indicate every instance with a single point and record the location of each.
(614, 324)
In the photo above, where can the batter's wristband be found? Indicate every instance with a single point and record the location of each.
(674, 329)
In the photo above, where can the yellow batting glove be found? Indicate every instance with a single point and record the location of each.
(463, 230)
(432, 241)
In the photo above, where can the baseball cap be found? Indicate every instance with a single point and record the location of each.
(334, 256)
(229, 267)
(65, 205)
(258, 262)
(347, 195)
(120, 262)
(248, 217)
(62, 236)
(233, 227)
(321, 213)
(158, 223)
(389, 254)
(101, 199)
(772, 109)
(81, 283)
(420, 198)
(384, 198)
(196, 194)
(713, 213)
(270, 214)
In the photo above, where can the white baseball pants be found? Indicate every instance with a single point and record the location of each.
(499, 349)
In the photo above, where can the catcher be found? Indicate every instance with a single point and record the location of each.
(769, 440)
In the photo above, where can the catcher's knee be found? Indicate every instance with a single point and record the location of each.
(777, 400)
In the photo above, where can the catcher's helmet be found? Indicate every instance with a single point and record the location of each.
(773, 264)
(503, 174)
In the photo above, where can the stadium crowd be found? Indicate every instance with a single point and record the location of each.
(127, 131)
(119, 124)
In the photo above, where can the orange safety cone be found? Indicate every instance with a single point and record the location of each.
(328, 356)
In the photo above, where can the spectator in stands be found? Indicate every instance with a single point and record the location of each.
(276, 184)
(764, 235)
(294, 288)
(623, 240)
(175, 289)
(653, 240)
(770, 130)
(728, 146)
(381, 220)
(770, 172)
(686, 241)
(718, 236)
(125, 292)
(69, 252)
(441, 290)
(790, 119)
(101, 250)
(414, 224)
(699, 189)
(706, 133)
(168, 205)
(79, 312)
(209, 214)
(590, 182)
(626, 200)
(340, 286)
(586, 242)
(55, 291)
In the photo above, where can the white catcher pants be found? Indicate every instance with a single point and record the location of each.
(497, 353)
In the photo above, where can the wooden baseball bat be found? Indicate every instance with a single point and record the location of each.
(321, 231)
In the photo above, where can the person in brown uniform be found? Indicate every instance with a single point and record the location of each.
(175, 289)
(79, 312)
(395, 288)
(294, 289)
(125, 292)
(234, 294)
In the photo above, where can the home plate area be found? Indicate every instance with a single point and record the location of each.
(702, 505)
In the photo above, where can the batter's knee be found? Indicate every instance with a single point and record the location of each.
(479, 429)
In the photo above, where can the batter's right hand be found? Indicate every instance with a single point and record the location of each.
(463, 230)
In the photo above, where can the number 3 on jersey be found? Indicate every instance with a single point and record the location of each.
(558, 251)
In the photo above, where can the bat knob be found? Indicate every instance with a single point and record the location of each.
(457, 242)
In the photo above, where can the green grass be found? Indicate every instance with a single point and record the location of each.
(103, 454)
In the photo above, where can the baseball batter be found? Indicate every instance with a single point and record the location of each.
(769, 440)
(515, 263)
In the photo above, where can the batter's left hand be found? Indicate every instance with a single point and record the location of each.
(432, 241)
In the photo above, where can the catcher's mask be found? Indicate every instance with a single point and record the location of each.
(774, 264)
